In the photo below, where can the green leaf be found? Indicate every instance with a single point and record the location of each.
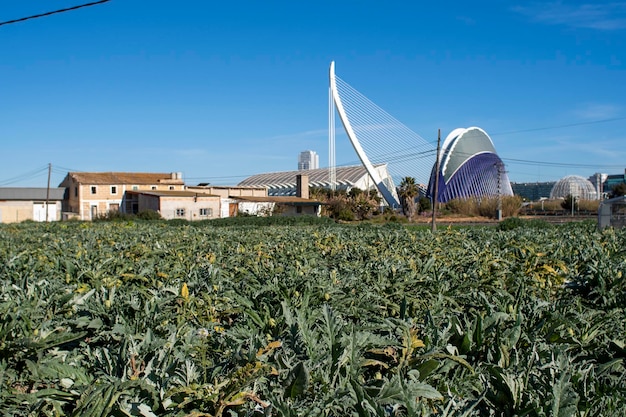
(565, 399)
(426, 368)
(297, 381)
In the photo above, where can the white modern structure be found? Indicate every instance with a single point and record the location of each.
(597, 180)
(469, 167)
(575, 186)
(377, 138)
(308, 160)
(346, 178)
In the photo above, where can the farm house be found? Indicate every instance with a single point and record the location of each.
(37, 204)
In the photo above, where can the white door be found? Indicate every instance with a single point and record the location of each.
(39, 212)
(52, 212)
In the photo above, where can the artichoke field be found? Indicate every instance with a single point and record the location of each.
(169, 319)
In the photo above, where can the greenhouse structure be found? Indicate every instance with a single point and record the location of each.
(348, 177)
(575, 186)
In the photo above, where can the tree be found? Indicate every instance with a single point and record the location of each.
(569, 202)
(408, 191)
(618, 190)
(424, 203)
(353, 205)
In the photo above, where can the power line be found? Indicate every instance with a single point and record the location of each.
(536, 129)
(559, 164)
(25, 176)
(8, 22)
(64, 170)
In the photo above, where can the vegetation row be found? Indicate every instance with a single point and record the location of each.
(214, 319)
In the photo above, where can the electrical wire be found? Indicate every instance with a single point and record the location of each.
(80, 6)
(23, 177)
(537, 129)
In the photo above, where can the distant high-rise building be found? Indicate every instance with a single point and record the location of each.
(533, 191)
(308, 160)
(598, 180)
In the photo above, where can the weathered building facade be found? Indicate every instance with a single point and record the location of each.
(90, 194)
(37, 204)
(187, 205)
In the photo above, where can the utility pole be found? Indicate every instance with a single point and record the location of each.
(499, 209)
(48, 190)
(436, 192)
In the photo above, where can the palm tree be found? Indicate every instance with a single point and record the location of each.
(408, 190)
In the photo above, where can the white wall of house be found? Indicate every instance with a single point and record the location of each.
(19, 211)
(43, 211)
(227, 191)
(256, 208)
(225, 207)
(182, 207)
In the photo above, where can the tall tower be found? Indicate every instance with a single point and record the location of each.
(308, 160)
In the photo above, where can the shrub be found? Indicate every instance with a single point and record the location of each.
(345, 214)
(588, 205)
(266, 221)
(485, 206)
(178, 222)
(579, 204)
(149, 215)
(511, 223)
(424, 204)
(463, 206)
(113, 215)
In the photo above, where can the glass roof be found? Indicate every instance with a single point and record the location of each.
(574, 185)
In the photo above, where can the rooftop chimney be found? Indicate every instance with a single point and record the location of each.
(302, 186)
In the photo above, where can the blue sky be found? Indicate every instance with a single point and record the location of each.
(223, 90)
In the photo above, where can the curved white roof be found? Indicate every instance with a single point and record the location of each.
(460, 146)
(574, 185)
(346, 177)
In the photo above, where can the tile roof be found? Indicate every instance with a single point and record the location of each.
(279, 199)
(172, 193)
(124, 178)
(25, 194)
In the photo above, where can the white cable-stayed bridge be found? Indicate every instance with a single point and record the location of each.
(469, 166)
(378, 138)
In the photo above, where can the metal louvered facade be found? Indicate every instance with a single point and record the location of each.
(469, 167)
(284, 183)
(574, 185)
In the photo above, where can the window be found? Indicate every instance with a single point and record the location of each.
(135, 188)
(114, 207)
(76, 191)
(171, 188)
(206, 212)
(114, 189)
(153, 187)
(94, 189)
(180, 212)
